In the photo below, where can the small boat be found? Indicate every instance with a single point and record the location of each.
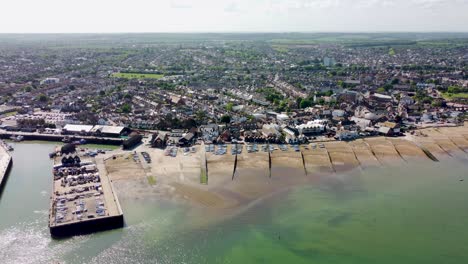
(18, 138)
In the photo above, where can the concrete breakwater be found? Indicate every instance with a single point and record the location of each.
(5, 165)
(83, 200)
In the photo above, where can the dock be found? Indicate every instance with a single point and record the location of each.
(5, 164)
(59, 138)
(83, 200)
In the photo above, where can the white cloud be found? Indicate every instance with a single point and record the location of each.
(181, 4)
(233, 15)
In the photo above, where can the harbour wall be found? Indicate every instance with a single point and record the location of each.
(59, 138)
(87, 226)
(5, 165)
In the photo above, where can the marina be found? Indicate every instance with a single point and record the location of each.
(83, 200)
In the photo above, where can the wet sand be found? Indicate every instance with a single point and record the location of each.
(178, 178)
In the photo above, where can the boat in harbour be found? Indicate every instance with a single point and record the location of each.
(18, 138)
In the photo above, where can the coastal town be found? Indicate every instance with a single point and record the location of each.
(222, 91)
(190, 119)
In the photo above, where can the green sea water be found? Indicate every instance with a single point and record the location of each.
(416, 213)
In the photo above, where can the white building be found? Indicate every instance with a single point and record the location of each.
(312, 127)
(50, 81)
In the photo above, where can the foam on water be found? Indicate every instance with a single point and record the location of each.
(31, 243)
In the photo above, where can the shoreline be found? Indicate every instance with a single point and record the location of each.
(178, 178)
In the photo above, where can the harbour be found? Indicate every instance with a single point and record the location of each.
(58, 138)
(83, 200)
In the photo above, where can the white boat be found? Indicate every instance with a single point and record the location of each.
(17, 138)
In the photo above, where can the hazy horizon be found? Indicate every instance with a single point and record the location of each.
(242, 16)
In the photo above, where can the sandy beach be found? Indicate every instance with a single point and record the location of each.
(179, 178)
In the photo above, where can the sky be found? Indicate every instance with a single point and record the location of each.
(114, 16)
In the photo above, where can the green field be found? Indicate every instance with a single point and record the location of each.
(455, 95)
(126, 75)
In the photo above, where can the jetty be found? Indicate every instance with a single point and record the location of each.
(83, 200)
(5, 164)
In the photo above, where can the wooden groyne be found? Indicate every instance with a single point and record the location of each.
(303, 163)
(203, 167)
(235, 167)
(5, 165)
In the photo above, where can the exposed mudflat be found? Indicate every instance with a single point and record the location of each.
(179, 178)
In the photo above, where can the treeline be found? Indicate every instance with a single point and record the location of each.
(381, 43)
(413, 67)
(141, 72)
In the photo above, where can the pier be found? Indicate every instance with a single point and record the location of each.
(5, 164)
(83, 200)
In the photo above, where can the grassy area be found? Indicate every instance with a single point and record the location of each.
(100, 146)
(203, 177)
(137, 75)
(449, 96)
(280, 48)
(9, 114)
(151, 180)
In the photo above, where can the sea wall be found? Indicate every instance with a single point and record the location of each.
(87, 226)
(5, 165)
(91, 140)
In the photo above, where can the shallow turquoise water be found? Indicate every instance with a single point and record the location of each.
(412, 214)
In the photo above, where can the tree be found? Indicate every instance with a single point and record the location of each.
(329, 93)
(437, 103)
(229, 106)
(225, 119)
(388, 87)
(189, 123)
(126, 108)
(43, 98)
(381, 90)
(102, 93)
(298, 102)
(305, 103)
(200, 115)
